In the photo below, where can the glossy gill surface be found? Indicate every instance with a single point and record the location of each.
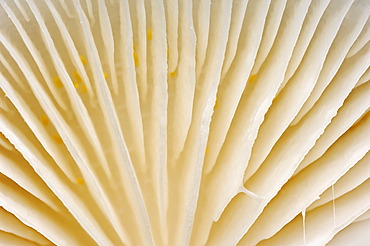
(148, 122)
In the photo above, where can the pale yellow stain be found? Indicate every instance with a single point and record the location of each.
(83, 89)
(149, 34)
(58, 83)
(77, 77)
(136, 59)
(105, 75)
(83, 59)
(216, 104)
(57, 139)
(76, 85)
(135, 55)
(44, 120)
(173, 74)
(252, 78)
(80, 181)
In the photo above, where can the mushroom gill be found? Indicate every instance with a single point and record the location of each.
(179, 122)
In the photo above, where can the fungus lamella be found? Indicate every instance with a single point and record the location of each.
(184, 122)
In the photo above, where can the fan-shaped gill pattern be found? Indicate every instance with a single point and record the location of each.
(149, 122)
